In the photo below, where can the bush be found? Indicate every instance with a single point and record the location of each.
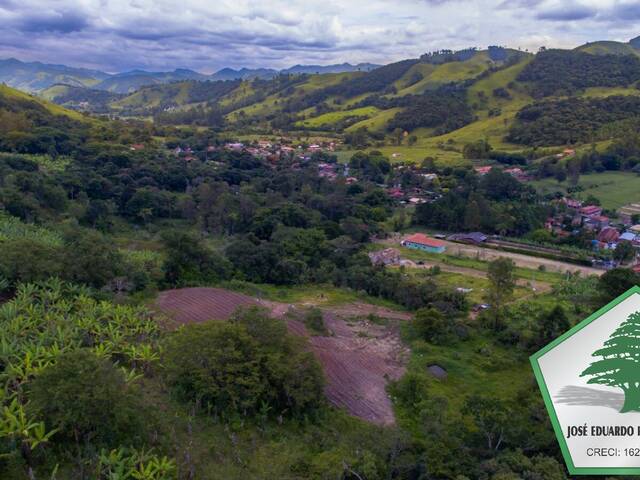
(190, 262)
(430, 324)
(90, 258)
(27, 260)
(246, 367)
(313, 321)
(88, 400)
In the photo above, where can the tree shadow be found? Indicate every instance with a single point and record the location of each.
(589, 397)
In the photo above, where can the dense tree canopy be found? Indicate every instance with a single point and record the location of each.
(563, 72)
(247, 367)
(574, 120)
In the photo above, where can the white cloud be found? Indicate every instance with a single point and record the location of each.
(163, 34)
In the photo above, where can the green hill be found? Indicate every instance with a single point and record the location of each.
(443, 100)
(607, 47)
(82, 98)
(15, 101)
(36, 126)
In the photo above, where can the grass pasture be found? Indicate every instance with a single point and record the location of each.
(332, 118)
(51, 107)
(613, 189)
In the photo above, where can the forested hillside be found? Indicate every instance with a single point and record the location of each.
(562, 72)
(442, 100)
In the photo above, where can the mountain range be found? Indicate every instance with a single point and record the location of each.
(37, 76)
(431, 106)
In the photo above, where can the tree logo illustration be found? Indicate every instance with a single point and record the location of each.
(620, 363)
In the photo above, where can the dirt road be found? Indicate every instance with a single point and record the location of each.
(521, 260)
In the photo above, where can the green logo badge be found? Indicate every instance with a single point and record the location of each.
(590, 381)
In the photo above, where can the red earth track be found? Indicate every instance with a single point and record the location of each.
(358, 358)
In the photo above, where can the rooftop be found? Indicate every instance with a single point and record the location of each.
(423, 239)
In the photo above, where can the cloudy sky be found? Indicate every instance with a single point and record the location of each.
(206, 35)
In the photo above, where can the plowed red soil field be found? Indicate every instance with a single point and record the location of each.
(358, 357)
(188, 305)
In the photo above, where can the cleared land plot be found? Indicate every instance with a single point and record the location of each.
(476, 258)
(358, 357)
(194, 305)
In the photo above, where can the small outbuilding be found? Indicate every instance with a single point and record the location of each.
(437, 371)
(388, 256)
(420, 241)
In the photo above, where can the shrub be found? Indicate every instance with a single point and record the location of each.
(430, 324)
(246, 367)
(88, 400)
(313, 321)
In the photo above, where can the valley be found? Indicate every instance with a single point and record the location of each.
(317, 272)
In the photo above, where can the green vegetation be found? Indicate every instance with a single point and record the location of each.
(564, 72)
(478, 264)
(331, 118)
(605, 47)
(98, 215)
(613, 189)
(247, 367)
(576, 120)
(57, 338)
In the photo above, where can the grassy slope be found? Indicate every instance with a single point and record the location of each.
(613, 189)
(447, 148)
(376, 122)
(51, 107)
(151, 98)
(608, 47)
(435, 75)
(243, 91)
(268, 105)
(54, 91)
(333, 117)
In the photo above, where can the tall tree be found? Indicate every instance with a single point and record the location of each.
(620, 363)
(624, 252)
(617, 281)
(552, 324)
(502, 282)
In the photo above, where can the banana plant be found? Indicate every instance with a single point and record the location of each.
(14, 423)
(155, 469)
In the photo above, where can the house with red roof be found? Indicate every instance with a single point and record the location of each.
(483, 170)
(608, 235)
(420, 241)
(572, 203)
(396, 193)
(591, 211)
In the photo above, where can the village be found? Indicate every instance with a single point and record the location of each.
(408, 185)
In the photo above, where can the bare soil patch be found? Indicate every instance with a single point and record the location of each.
(358, 357)
(194, 305)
